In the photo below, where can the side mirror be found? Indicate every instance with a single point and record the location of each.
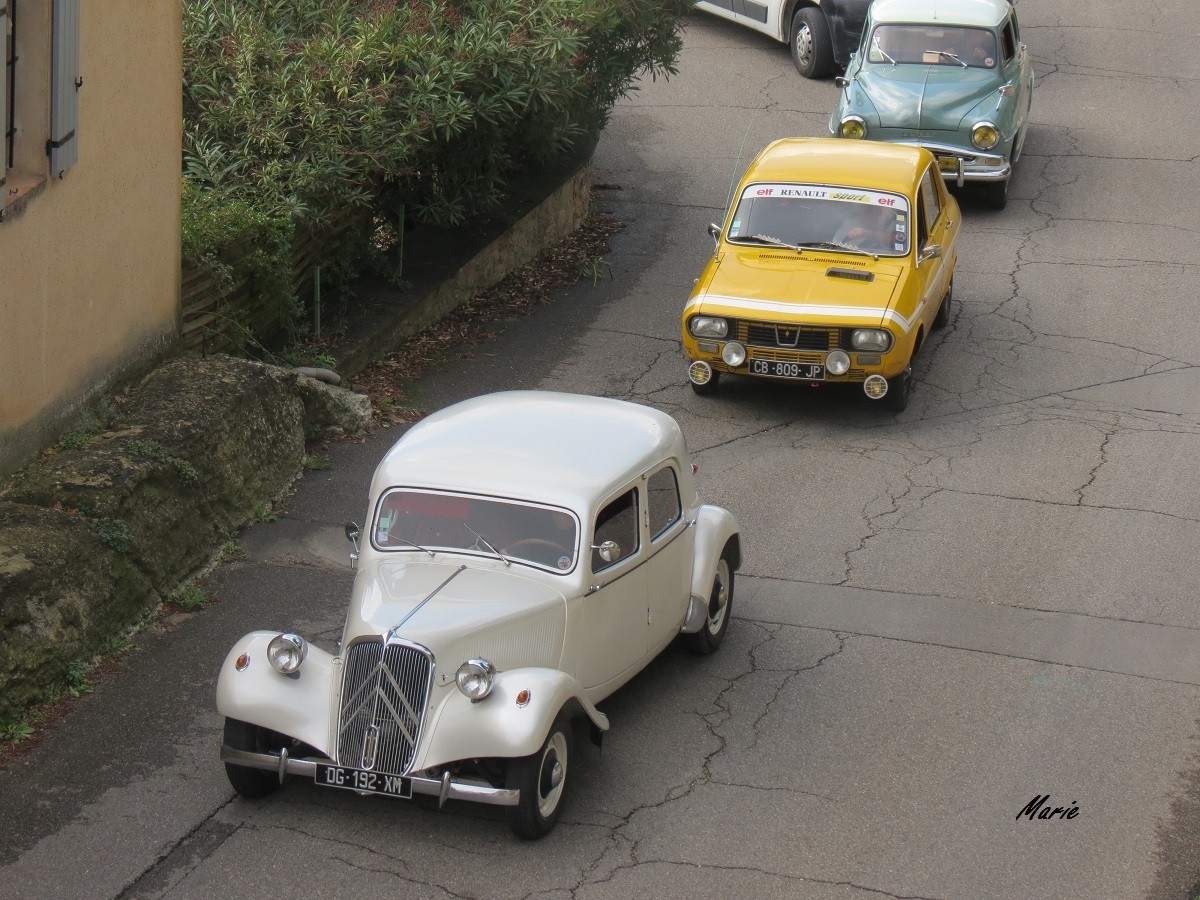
(841, 81)
(609, 550)
(1008, 89)
(929, 251)
(715, 231)
(352, 535)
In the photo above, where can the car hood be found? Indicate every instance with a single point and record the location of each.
(925, 97)
(461, 612)
(809, 287)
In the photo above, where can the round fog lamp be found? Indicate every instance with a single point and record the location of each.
(875, 387)
(837, 362)
(286, 652)
(700, 372)
(474, 678)
(734, 354)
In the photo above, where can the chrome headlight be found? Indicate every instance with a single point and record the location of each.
(734, 354)
(853, 127)
(474, 678)
(985, 136)
(837, 362)
(876, 339)
(286, 652)
(708, 327)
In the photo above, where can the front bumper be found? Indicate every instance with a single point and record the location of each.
(969, 164)
(444, 788)
(862, 364)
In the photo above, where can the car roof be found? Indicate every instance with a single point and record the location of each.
(982, 13)
(867, 164)
(566, 449)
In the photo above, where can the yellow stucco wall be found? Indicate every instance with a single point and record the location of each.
(89, 269)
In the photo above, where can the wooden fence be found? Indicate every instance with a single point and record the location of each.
(213, 320)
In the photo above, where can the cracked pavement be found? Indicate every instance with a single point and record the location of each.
(941, 613)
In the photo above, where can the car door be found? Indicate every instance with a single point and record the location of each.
(1018, 71)
(614, 609)
(934, 230)
(671, 543)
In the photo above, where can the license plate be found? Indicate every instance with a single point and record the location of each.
(948, 163)
(804, 371)
(362, 780)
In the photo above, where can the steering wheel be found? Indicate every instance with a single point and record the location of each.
(514, 548)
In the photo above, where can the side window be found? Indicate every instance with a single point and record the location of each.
(663, 500)
(931, 203)
(922, 229)
(617, 522)
(1008, 43)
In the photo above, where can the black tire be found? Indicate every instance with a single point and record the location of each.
(942, 319)
(812, 48)
(542, 780)
(720, 607)
(248, 782)
(899, 389)
(997, 194)
(709, 387)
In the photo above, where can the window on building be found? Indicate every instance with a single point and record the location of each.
(39, 92)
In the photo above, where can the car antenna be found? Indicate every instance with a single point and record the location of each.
(737, 165)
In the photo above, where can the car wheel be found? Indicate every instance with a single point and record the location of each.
(720, 606)
(246, 781)
(542, 780)
(899, 389)
(942, 319)
(709, 387)
(997, 194)
(812, 49)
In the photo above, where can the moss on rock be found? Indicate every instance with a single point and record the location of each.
(63, 595)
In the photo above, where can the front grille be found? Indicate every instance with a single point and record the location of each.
(787, 355)
(384, 691)
(792, 337)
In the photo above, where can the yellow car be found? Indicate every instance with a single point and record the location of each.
(834, 263)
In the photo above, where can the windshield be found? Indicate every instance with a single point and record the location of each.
(431, 521)
(933, 46)
(822, 217)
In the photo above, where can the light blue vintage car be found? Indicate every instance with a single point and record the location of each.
(952, 77)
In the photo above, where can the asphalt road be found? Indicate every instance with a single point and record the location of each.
(942, 613)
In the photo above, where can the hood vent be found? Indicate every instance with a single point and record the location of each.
(852, 274)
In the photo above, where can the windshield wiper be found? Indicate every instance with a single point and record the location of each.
(488, 544)
(949, 55)
(813, 245)
(884, 54)
(395, 537)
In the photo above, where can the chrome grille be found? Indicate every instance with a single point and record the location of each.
(385, 688)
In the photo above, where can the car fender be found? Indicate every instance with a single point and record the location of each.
(715, 527)
(500, 727)
(295, 705)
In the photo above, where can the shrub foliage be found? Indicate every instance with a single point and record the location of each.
(298, 111)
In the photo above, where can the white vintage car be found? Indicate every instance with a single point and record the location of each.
(528, 553)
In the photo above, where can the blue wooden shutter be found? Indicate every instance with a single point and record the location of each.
(5, 73)
(65, 82)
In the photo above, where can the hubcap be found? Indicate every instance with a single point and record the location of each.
(719, 604)
(552, 774)
(804, 43)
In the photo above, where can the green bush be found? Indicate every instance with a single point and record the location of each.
(297, 112)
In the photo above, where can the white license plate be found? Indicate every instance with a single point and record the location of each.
(773, 369)
(362, 780)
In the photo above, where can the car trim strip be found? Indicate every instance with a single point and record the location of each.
(809, 309)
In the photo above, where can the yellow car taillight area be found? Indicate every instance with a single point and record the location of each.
(985, 136)
(853, 127)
